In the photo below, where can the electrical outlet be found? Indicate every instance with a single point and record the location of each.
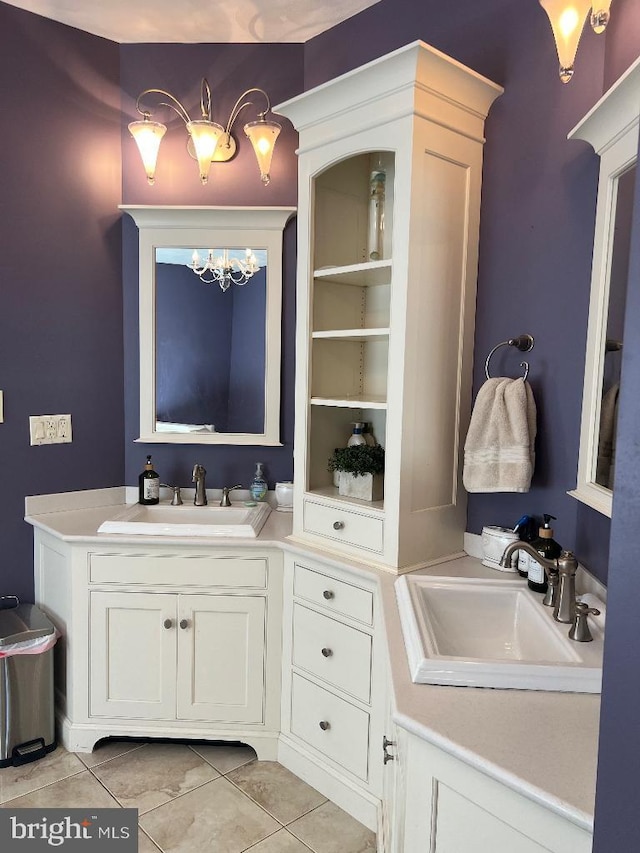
(50, 429)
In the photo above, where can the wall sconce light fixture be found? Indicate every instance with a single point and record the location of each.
(207, 141)
(567, 19)
(223, 269)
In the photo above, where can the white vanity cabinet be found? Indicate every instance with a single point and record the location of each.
(166, 641)
(385, 334)
(446, 806)
(333, 684)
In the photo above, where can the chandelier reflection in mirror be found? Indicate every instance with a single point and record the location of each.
(207, 141)
(223, 269)
(567, 18)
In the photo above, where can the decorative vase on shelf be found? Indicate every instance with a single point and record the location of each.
(377, 183)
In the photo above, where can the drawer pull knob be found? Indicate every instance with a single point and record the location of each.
(168, 623)
(327, 653)
(328, 594)
(184, 623)
(324, 725)
(338, 525)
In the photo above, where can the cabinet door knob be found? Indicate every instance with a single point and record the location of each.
(168, 623)
(184, 623)
(324, 725)
(386, 755)
(327, 653)
(328, 594)
(338, 525)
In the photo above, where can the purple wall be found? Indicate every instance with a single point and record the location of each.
(60, 269)
(230, 70)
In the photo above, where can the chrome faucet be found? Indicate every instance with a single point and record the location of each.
(565, 565)
(224, 500)
(198, 476)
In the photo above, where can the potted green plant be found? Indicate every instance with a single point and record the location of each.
(361, 470)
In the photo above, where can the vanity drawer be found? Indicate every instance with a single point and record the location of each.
(172, 569)
(344, 734)
(335, 595)
(332, 651)
(343, 525)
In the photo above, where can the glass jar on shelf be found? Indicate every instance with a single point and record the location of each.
(377, 186)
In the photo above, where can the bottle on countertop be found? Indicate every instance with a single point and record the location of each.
(548, 548)
(258, 486)
(527, 530)
(149, 485)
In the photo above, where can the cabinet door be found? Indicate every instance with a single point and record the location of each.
(133, 655)
(221, 658)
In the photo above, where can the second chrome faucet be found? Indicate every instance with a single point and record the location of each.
(565, 566)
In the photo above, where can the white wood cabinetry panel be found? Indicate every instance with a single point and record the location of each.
(221, 651)
(343, 525)
(133, 655)
(462, 825)
(336, 595)
(334, 652)
(330, 725)
(167, 569)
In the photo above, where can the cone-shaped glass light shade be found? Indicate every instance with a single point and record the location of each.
(148, 135)
(567, 19)
(263, 135)
(600, 15)
(205, 135)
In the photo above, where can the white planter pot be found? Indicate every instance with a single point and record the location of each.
(365, 487)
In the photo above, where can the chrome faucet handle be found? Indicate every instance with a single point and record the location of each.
(579, 631)
(176, 499)
(224, 501)
(551, 596)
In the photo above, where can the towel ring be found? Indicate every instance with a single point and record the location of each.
(524, 343)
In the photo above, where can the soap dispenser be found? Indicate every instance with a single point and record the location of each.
(149, 485)
(548, 548)
(258, 486)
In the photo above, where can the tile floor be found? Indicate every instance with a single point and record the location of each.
(191, 798)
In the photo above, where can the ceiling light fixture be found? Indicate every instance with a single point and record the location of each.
(223, 269)
(207, 141)
(567, 19)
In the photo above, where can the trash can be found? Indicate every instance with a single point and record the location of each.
(27, 723)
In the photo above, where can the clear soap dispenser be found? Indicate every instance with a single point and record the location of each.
(258, 486)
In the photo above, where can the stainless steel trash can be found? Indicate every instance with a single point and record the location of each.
(27, 723)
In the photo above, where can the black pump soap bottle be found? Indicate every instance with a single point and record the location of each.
(149, 485)
(548, 548)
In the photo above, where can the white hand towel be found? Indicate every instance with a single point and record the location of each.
(499, 450)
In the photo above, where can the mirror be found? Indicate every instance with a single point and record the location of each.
(210, 323)
(611, 127)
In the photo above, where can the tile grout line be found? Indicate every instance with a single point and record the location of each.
(42, 787)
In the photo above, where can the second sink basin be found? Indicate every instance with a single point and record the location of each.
(189, 520)
(492, 633)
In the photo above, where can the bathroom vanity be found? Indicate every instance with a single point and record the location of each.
(301, 655)
(166, 640)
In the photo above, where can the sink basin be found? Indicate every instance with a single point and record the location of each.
(492, 633)
(185, 520)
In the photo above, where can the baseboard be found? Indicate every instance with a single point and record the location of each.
(82, 737)
(360, 804)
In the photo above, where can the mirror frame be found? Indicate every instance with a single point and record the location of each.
(611, 128)
(170, 226)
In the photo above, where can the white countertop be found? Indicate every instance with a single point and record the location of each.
(541, 744)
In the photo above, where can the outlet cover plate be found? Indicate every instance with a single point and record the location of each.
(50, 429)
